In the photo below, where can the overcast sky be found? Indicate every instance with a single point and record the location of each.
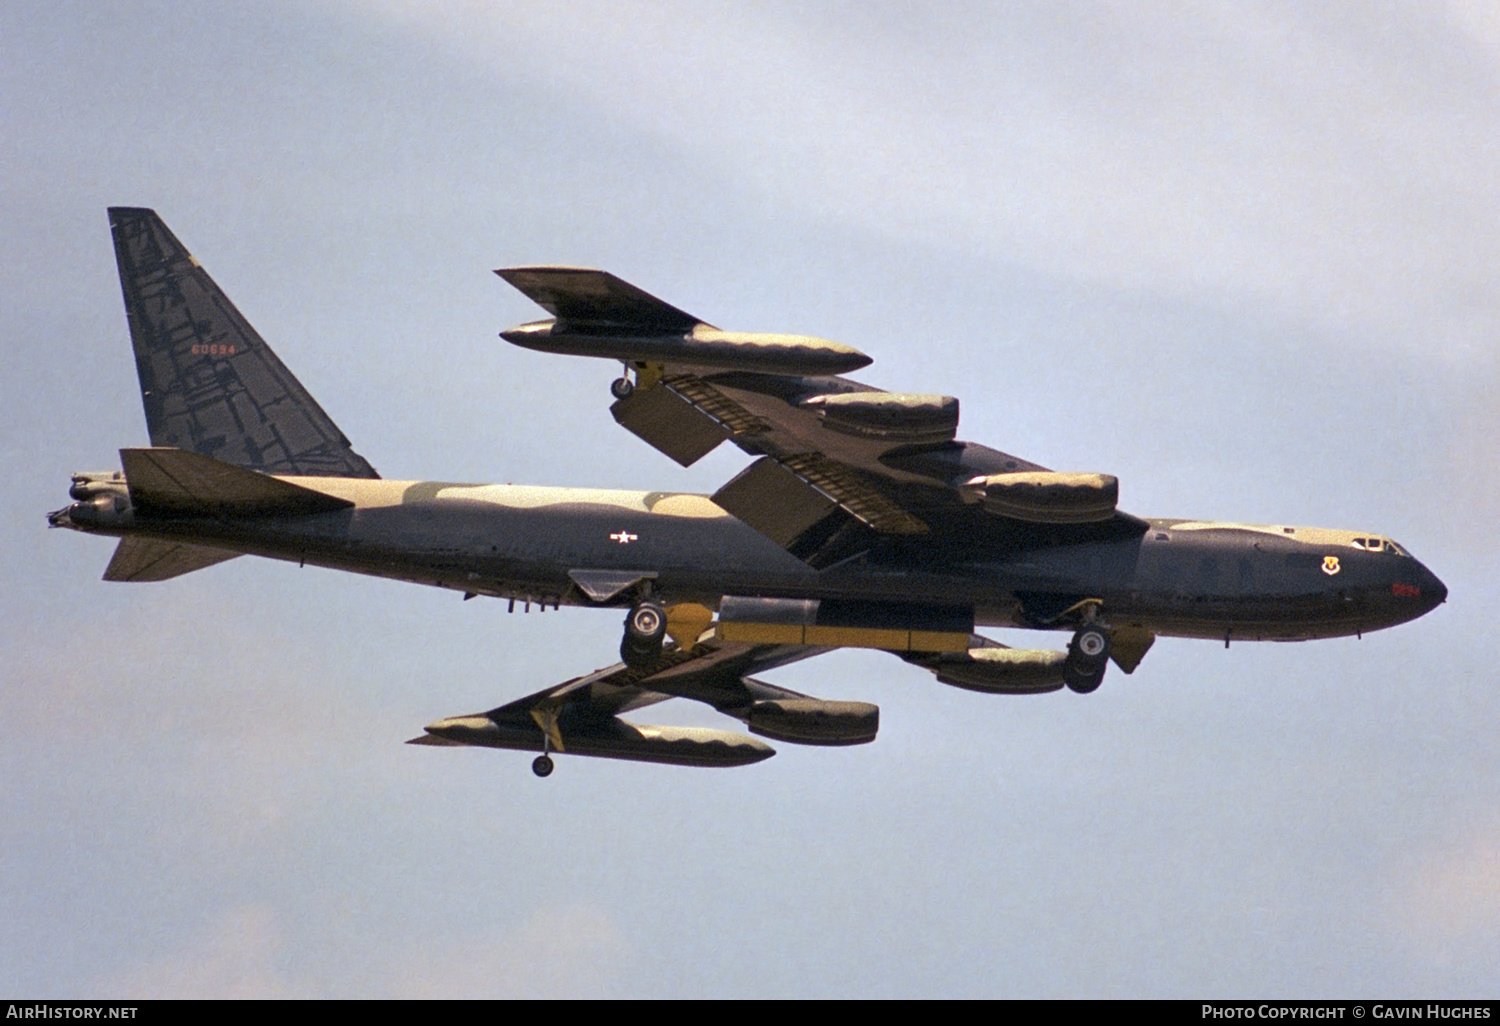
(1244, 256)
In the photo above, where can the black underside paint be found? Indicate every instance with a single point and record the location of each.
(1208, 584)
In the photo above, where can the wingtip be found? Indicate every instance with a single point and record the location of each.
(434, 741)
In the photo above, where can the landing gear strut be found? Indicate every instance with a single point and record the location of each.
(645, 628)
(1088, 658)
(546, 715)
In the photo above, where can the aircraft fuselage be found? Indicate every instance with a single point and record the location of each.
(1179, 578)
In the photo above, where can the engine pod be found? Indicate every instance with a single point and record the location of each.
(1046, 497)
(900, 417)
(812, 721)
(1004, 671)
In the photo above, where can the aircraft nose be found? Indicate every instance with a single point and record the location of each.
(1422, 585)
(1434, 590)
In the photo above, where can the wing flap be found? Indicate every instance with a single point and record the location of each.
(670, 424)
(780, 505)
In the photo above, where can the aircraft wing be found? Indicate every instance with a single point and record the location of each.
(582, 715)
(838, 463)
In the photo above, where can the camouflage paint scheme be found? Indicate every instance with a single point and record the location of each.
(862, 522)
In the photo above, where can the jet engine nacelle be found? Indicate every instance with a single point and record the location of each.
(889, 416)
(812, 721)
(1001, 671)
(107, 509)
(1045, 497)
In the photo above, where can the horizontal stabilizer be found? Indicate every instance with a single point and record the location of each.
(433, 741)
(587, 299)
(142, 559)
(176, 481)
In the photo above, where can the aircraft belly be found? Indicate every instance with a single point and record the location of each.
(524, 543)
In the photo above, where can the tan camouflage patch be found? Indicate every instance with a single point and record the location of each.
(1320, 536)
(685, 505)
(790, 344)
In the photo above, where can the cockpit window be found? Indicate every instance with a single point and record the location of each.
(1377, 545)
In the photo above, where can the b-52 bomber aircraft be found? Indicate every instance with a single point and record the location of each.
(862, 522)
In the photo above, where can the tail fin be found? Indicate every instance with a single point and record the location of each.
(210, 383)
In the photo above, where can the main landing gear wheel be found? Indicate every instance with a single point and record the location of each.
(645, 628)
(621, 388)
(1088, 658)
(1092, 643)
(542, 766)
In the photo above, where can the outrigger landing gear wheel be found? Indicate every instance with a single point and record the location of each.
(645, 628)
(1088, 658)
(542, 766)
(621, 388)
